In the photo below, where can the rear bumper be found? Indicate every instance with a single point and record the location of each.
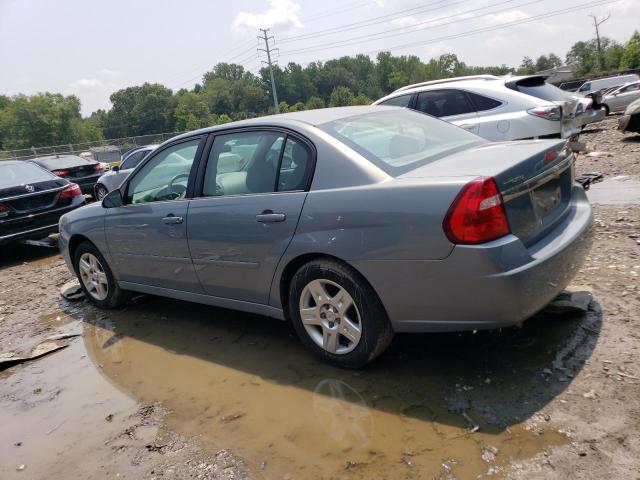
(34, 226)
(88, 183)
(498, 284)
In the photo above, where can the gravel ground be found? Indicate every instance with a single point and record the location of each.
(598, 406)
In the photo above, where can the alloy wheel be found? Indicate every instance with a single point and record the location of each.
(330, 316)
(93, 276)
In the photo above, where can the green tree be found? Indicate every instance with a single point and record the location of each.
(341, 96)
(315, 102)
(631, 56)
(361, 99)
(613, 56)
(191, 112)
(222, 119)
(527, 67)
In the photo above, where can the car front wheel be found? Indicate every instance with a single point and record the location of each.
(337, 315)
(101, 192)
(96, 279)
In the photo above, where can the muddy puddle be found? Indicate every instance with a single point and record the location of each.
(244, 382)
(618, 190)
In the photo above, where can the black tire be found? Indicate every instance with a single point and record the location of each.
(376, 330)
(115, 295)
(99, 192)
(606, 110)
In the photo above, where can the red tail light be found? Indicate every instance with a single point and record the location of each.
(477, 215)
(4, 210)
(61, 173)
(552, 112)
(97, 167)
(71, 191)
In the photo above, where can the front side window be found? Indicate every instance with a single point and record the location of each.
(242, 163)
(443, 103)
(585, 87)
(400, 101)
(399, 140)
(165, 176)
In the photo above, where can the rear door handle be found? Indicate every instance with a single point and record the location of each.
(171, 220)
(269, 217)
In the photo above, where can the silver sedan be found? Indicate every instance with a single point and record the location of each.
(620, 98)
(352, 223)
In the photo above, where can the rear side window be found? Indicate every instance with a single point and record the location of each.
(295, 167)
(444, 103)
(537, 87)
(399, 140)
(401, 101)
(483, 103)
(631, 88)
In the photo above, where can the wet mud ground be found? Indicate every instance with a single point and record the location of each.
(168, 389)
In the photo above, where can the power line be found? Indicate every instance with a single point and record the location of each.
(404, 30)
(465, 34)
(370, 21)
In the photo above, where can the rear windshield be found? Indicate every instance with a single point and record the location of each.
(543, 90)
(13, 174)
(62, 161)
(399, 140)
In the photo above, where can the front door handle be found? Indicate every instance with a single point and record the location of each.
(172, 220)
(468, 126)
(269, 217)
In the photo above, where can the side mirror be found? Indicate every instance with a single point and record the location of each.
(113, 199)
(115, 168)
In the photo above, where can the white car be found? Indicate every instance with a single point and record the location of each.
(620, 98)
(591, 86)
(499, 108)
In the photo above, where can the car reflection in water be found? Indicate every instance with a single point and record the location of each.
(243, 382)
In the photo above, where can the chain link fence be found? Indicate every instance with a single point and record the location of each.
(122, 144)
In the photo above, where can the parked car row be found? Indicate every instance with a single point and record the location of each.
(353, 223)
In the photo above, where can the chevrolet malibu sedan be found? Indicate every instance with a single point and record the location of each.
(353, 223)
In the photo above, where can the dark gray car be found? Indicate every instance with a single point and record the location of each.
(353, 223)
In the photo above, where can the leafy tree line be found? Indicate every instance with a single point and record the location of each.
(228, 92)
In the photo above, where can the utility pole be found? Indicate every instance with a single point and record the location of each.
(597, 24)
(268, 51)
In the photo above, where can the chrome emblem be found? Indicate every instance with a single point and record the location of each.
(29, 188)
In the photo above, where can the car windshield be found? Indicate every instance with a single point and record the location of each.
(12, 174)
(399, 140)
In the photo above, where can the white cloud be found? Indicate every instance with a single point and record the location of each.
(109, 73)
(279, 13)
(87, 83)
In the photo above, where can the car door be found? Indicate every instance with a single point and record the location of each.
(147, 235)
(451, 105)
(246, 216)
(623, 97)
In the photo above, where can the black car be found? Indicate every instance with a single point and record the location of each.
(79, 170)
(32, 200)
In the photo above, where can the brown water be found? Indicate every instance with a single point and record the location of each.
(244, 382)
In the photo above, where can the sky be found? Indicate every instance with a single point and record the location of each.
(92, 48)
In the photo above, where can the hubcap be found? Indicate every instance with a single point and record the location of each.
(330, 316)
(93, 277)
(101, 193)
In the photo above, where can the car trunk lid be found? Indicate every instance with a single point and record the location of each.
(26, 199)
(535, 179)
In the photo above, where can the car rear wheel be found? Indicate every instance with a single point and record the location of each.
(101, 192)
(606, 110)
(337, 315)
(96, 279)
